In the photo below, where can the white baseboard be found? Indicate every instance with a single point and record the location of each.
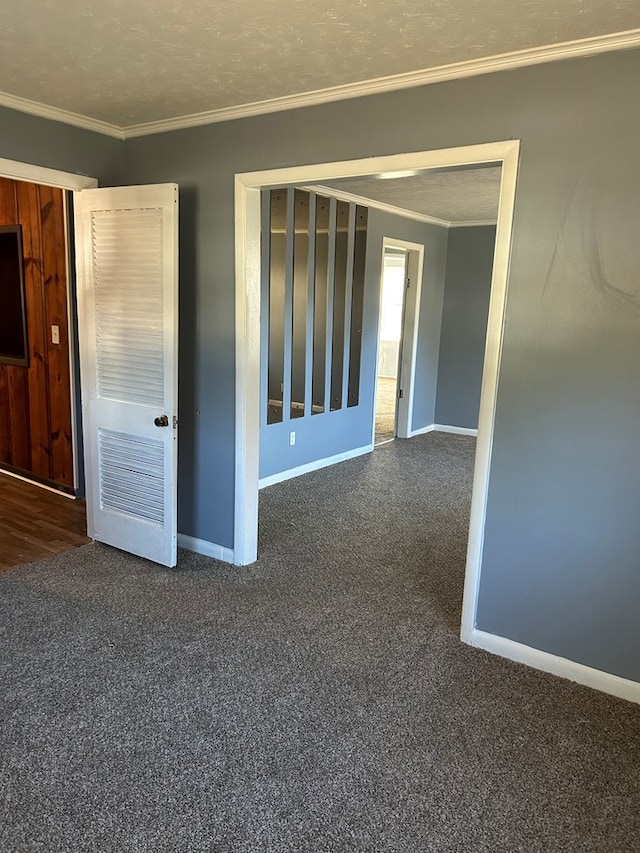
(456, 430)
(272, 479)
(36, 483)
(595, 678)
(209, 549)
(422, 430)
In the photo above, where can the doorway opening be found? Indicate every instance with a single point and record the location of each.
(248, 290)
(40, 463)
(390, 329)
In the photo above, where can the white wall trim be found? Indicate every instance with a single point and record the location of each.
(35, 108)
(397, 211)
(422, 430)
(18, 171)
(454, 71)
(473, 223)
(489, 392)
(378, 205)
(406, 371)
(248, 290)
(395, 82)
(280, 477)
(208, 549)
(455, 430)
(563, 667)
(36, 483)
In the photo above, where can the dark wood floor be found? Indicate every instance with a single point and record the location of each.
(35, 523)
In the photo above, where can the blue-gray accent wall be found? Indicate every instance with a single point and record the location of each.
(562, 541)
(41, 142)
(562, 544)
(464, 325)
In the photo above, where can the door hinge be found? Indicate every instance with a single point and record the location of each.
(400, 394)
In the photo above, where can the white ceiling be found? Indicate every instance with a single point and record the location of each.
(127, 62)
(454, 196)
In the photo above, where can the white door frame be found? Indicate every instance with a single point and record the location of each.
(409, 335)
(247, 247)
(18, 171)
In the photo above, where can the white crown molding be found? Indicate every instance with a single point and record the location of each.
(23, 105)
(411, 79)
(440, 74)
(473, 223)
(378, 205)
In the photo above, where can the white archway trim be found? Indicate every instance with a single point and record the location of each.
(247, 225)
(410, 324)
(42, 175)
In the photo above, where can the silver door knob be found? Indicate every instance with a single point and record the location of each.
(162, 421)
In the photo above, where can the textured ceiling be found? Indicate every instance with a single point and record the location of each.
(463, 195)
(133, 61)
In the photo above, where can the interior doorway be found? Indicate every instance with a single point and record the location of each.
(37, 429)
(248, 188)
(390, 329)
(43, 466)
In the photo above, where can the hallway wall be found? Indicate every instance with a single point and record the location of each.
(465, 312)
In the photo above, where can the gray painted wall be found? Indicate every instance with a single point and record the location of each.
(41, 142)
(562, 545)
(562, 542)
(331, 433)
(464, 325)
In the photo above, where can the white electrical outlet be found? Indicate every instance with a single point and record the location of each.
(292, 438)
(55, 334)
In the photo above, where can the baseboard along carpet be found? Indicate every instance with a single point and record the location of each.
(319, 701)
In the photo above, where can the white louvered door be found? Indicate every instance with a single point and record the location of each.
(127, 264)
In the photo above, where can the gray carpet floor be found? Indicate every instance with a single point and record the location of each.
(318, 701)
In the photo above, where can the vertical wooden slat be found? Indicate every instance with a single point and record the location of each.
(5, 417)
(29, 218)
(7, 202)
(18, 387)
(55, 295)
(288, 306)
(14, 392)
(7, 212)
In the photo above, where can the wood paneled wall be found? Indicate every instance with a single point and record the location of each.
(35, 402)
